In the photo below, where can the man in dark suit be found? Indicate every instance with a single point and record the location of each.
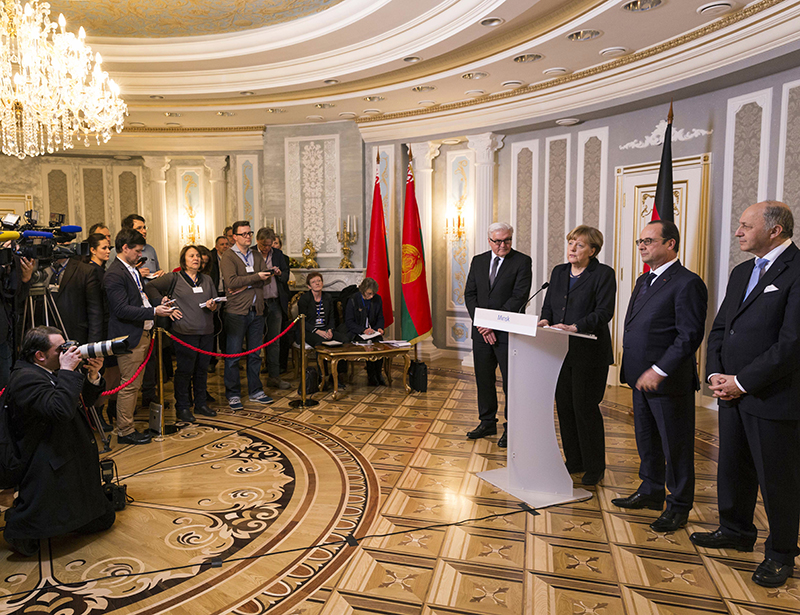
(664, 327)
(498, 280)
(754, 371)
(131, 315)
(79, 299)
(276, 302)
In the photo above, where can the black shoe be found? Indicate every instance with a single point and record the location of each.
(482, 430)
(382, 381)
(185, 416)
(27, 547)
(771, 573)
(718, 540)
(135, 438)
(592, 478)
(639, 500)
(503, 441)
(105, 426)
(111, 410)
(670, 521)
(210, 398)
(211, 368)
(204, 410)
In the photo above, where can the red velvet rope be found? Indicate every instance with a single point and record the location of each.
(136, 375)
(237, 355)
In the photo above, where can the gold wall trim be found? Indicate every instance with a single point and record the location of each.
(189, 130)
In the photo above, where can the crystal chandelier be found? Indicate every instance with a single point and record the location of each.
(52, 89)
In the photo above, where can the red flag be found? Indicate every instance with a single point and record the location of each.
(663, 201)
(415, 314)
(378, 254)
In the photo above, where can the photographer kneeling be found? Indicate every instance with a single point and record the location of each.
(60, 490)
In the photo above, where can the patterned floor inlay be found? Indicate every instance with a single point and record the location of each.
(262, 489)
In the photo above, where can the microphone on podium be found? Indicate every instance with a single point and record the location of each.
(522, 309)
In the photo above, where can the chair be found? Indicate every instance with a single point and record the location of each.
(310, 353)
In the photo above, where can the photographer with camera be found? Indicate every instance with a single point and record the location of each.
(60, 489)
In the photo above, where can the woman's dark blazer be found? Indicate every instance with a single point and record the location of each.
(589, 306)
(99, 273)
(306, 305)
(355, 316)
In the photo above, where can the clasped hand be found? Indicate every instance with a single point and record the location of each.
(725, 387)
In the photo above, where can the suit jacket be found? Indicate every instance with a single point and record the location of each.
(357, 311)
(511, 286)
(758, 340)
(80, 302)
(60, 490)
(213, 267)
(235, 275)
(589, 305)
(280, 261)
(99, 273)
(126, 311)
(665, 329)
(307, 306)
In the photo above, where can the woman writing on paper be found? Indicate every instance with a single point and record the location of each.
(580, 299)
(364, 319)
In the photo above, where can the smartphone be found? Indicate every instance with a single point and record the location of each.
(142, 260)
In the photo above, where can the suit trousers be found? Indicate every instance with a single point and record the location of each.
(579, 391)
(273, 316)
(487, 358)
(248, 326)
(756, 452)
(126, 398)
(664, 428)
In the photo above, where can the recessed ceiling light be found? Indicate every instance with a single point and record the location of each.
(331, 81)
(247, 93)
(556, 70)
(372, 112)
(613, 52)
(324, 105)
(580, 36)
(172, 114)
(315, 118)
(474, 92)
(475, 75)
(424, 88)
(347, 115)
(122, 157)
(374, 98)
(412, 59)
(491, 22)
(712, 9)
(427, 103)
(225, 113)
(135, 124)
(172, 124)
(568, 121)
(527, 57)
(512, 84)
(640, 6)
(276, 110)
(157, 97)
(451, 141)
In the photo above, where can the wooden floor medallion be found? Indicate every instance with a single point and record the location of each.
(254, 489)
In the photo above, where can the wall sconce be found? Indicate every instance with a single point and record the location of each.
(455, 227)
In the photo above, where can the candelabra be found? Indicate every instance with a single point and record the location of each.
(346, 238)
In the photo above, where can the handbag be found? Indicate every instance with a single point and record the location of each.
(418, 376)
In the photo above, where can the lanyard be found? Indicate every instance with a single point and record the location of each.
(189, 279)
(57, 273)
(245, 257)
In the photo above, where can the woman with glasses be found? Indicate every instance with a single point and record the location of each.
(581, 299)
(364, 318)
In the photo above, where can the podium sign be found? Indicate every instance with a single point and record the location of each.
(535, 472)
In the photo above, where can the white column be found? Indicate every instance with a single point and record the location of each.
(215, 219)
(485, 145)
(423, 154)
(158, 166)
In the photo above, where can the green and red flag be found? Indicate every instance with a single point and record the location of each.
(378, 254)
(416, 306)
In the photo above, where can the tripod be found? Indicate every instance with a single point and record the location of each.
(41, 294)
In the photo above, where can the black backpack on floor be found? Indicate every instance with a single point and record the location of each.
(418, 376)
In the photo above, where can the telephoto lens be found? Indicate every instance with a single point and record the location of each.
(106, 348)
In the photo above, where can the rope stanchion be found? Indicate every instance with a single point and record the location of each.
(135, 376)
(303, 402)
(238, 354)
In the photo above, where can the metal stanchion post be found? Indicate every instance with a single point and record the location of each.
(303, 402)
(165, 429)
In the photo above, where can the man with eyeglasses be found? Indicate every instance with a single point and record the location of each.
(244, 273)
(499, 279)
(664, 327)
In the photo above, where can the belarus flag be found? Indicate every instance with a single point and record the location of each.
(378, 254)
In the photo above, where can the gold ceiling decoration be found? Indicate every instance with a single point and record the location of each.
(52, 89)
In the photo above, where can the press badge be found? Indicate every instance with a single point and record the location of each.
(249, 269)
(197, 290)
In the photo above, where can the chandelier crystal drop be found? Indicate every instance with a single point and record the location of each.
(52, 88)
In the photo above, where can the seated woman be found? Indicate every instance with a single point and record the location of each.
(364, 317)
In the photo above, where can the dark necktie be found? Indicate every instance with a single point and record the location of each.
(493, 273)
(644, 288)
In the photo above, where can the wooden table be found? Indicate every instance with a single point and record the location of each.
(372, 352)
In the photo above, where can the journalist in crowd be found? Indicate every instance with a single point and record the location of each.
(59, 489)
(194, 294)
(363, 316)
(15, 283)
(580, 299)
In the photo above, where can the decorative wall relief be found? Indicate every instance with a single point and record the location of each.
(524, 200)
(788, 189)
(557, 177)
(656, 138)
(248, 191)
(191, 216)
(94, 199)
(57, 191)
(591, 202)
(460, 201)
(128, 186)
(459, 332)
(313, 197)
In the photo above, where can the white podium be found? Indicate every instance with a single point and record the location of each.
(535, 472)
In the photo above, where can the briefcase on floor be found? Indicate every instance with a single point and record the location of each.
(418, 376)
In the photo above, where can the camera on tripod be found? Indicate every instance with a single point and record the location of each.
(40, 243)
(106, 348)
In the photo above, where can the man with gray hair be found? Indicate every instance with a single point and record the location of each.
(499, 279)
(754, 370)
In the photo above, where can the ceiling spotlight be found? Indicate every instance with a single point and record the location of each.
(372, 111)
(247, 93)
(324, 105)
(474, 92)
(172, 124)
(527, 57)
(424, 88)
(475, 75)
(451, 141)
(556, 70)
(276, 110)
(374, 98)
(225, 113)
(120, 157)
(315, 118)
(613, 52)
(514, 83)
(712, 9)
(347, 115)
(580, 36)
(172, 114)
(157, 97)
(135, 124)
(640, 6)
(568, 121)
(427, 103)
(491, 22)
(412, 59)
(331, 81)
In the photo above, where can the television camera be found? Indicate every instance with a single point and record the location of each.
(41, 243)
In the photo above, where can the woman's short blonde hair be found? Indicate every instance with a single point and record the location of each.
(590, 234)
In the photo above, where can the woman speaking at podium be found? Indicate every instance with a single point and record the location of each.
(580, 299)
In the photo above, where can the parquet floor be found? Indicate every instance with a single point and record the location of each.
(370, 505)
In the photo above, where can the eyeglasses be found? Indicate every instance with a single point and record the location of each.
(647, 241)
(247, 234)
(499, 242)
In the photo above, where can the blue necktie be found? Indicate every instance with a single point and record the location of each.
(758, 271)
